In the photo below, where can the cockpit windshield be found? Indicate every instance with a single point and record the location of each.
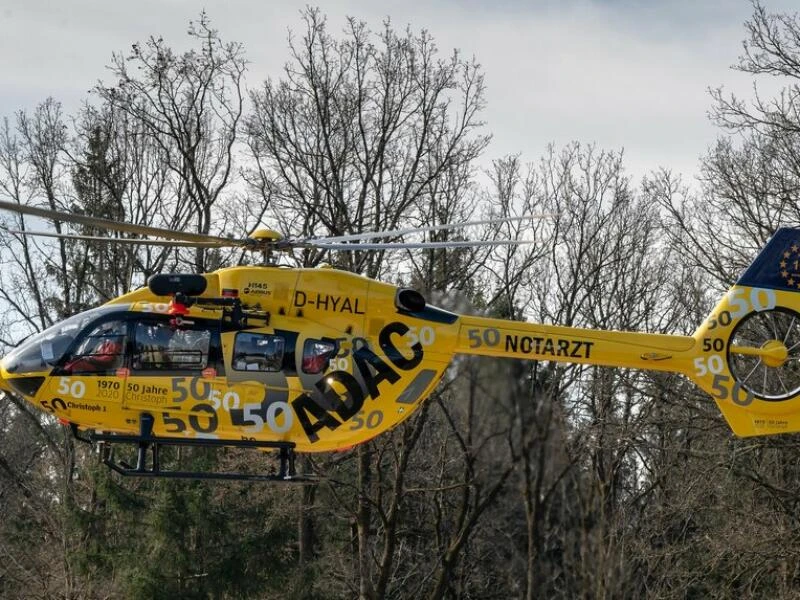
(45, 349)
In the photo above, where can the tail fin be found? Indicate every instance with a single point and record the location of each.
(749, 348)
(777, 266)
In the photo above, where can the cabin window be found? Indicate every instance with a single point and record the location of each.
(160, 346)
(258, 352)
(102, 349)
(316, 355)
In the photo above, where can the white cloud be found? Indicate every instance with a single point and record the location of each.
(621, 73)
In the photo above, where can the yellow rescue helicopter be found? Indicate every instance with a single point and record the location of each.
(316, 360)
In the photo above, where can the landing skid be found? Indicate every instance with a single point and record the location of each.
(148, 462)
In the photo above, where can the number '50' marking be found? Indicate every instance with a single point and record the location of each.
(66, 387)
(717, 344)
(740, 304)
(738, 395)
(425, 335)
(488, 336)
(759, 299)
(713, 364)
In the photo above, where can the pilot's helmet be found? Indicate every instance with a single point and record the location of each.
(112, 328)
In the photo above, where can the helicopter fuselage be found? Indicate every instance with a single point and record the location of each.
(323, 359)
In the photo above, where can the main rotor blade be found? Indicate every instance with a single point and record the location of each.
(56, 215)
(398, 232)
(412, 245)
(136, 241)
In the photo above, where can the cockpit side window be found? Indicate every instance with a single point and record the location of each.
(316, 355)
(101, 350)
(258, 352)
(48, 348)
(160, 346)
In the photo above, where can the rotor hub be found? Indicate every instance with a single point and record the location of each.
(266, 235)
(774, 353)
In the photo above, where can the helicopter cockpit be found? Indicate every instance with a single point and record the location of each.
(45, 350)
(102, 340)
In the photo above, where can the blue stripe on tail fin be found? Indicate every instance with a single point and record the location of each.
(777, 266)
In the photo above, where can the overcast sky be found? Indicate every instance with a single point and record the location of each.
(629, 74)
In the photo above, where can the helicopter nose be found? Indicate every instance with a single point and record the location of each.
(4, 387)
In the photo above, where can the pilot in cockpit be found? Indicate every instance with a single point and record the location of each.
(101, 351)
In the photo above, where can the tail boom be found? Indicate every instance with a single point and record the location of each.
(534, 341)
(746, 355)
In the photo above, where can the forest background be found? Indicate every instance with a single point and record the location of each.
(516, 479)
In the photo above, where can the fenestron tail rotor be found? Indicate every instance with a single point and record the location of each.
(262, 239)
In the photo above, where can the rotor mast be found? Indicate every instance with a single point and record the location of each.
(266, 240)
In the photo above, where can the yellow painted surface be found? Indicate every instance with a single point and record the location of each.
(388, 362)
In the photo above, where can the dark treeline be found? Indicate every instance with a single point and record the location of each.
(516, 479)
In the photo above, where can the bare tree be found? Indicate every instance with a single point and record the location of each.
(359, 135)
(360, 131)
(190, 106)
